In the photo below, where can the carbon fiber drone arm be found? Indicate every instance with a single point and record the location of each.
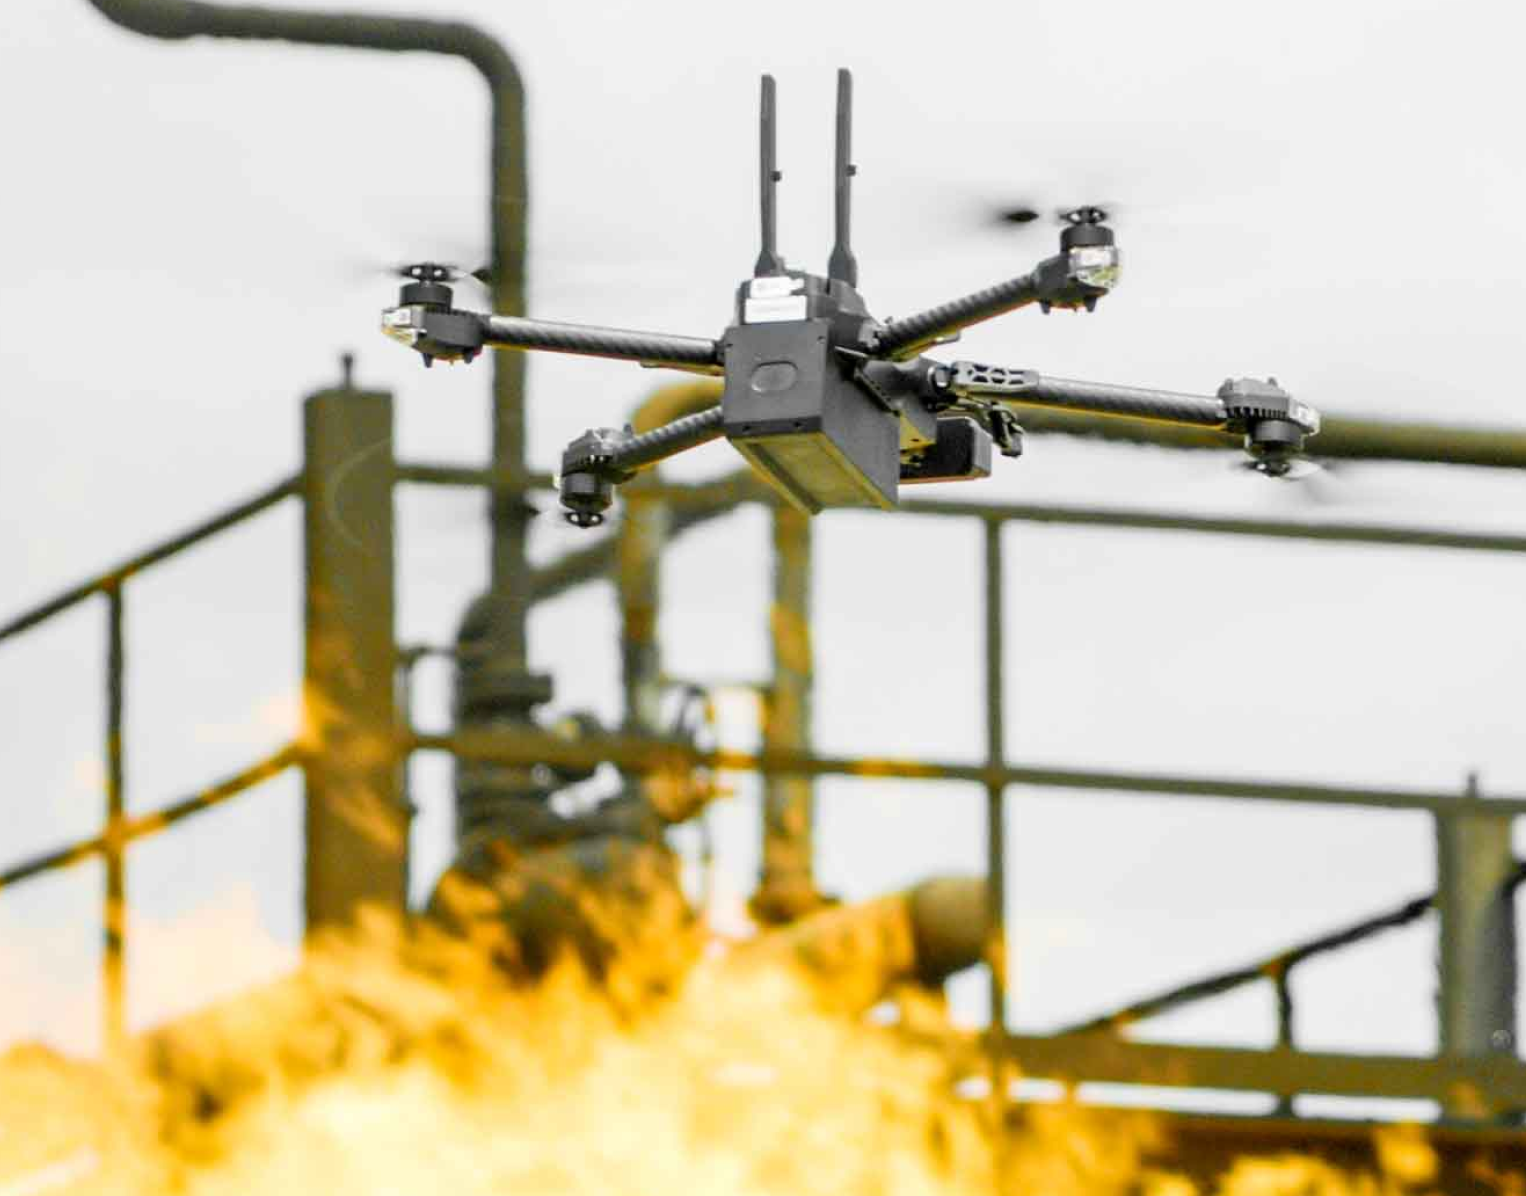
(1275, 425)
(602, 458)
(427, 322)
(589, 340)
(1083, 272)
(968, 379)
(902, 338)
(687, 431)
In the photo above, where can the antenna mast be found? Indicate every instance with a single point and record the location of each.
(842, 265)
(769, 261)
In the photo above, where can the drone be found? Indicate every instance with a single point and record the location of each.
(832, 407)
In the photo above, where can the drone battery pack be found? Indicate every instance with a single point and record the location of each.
(802, 423)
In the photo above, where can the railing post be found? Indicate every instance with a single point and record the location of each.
(357, 832)
(787, 887)
(1281, 977)
(114, 945)
(996, 838)
(1476, 994)
(642, 536)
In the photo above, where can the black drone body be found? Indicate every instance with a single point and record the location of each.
(831, 406)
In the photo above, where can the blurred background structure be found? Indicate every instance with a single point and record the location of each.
(1046, 665)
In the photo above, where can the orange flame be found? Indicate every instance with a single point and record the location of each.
(397, 1060)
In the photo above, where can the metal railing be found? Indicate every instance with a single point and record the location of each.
(1467, 1079)
(121, 830)
(1089, 1051)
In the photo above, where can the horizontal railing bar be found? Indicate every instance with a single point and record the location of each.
(1103, 1058)
(64, 857)
(1268, 968)
(147, 824)
(159, 552)
(217, 793)
(1122, 517)
(513, 745)
(701, 502)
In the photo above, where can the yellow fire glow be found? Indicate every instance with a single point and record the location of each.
(398, 1062)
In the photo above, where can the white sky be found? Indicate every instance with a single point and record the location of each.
(1325, 192)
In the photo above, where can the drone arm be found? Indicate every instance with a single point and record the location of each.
(1085, 269)
(686, 432)
(968, 379)
(1275, 425)
(903, 338)
(589, 340)
(602, 458)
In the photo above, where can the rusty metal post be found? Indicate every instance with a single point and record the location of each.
(642, 536)
(787, 887)
(114, 946)
(996, 844)
(1476, 995)
(356, 822)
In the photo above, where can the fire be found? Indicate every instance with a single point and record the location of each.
(399, 1060)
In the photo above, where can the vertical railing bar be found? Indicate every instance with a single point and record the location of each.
(113, 978)
(1284, 989)
(996, 856)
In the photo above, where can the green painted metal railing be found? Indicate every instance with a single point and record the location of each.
(1091, 1050)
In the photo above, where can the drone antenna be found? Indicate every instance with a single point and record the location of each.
(769, 261)
(842, 265)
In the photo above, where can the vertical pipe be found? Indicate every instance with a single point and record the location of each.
(511, 513)
(643, 534)
(996, 855)
(113, 971)
(787, 888)
(642, 537)
(356, 821)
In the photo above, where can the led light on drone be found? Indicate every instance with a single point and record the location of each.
(1095, 266)
(403, 324)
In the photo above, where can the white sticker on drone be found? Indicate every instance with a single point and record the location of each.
(774, 311)
(774, 286)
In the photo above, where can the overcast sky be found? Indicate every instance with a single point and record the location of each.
(1328, 193)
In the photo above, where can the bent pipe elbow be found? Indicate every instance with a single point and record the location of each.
(180, 19)
(177, 20)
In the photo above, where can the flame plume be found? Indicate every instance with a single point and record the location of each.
(397, 1060)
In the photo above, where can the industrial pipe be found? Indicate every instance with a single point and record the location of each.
(181, 19)
(492, 685)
